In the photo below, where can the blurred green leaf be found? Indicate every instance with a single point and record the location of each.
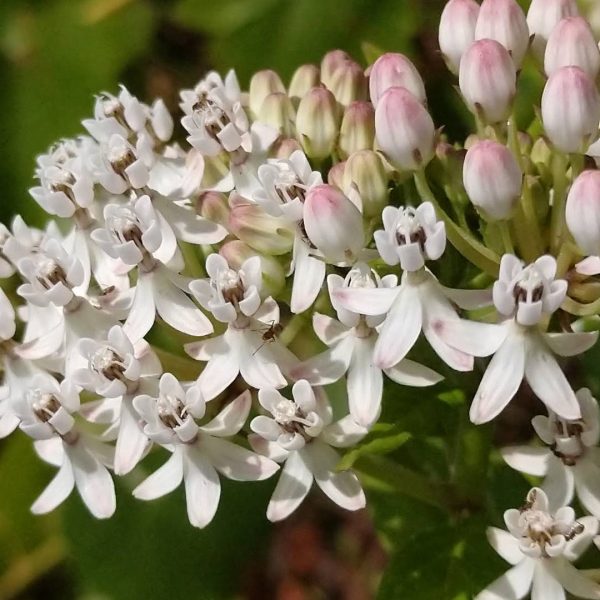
(375, 443)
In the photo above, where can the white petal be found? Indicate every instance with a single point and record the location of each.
(501, 380)
(131, 442)
(400, 330)
(269, 449)
(545, 586)
(368, 301)
(575, 548)
(232, 418)
(51, 451)
(344, 433)
(572, 580)
(218, 373)
(532, 460)
(469, 299)
(548, 382)
(587, 483)
(342, 487)
(255, 367)
(409, 372)
(570, 344)
(93, 481)
(364, 383)
(513, 585)
(505, 544)
(293, 485)
(327, 367)
(309, 274)
(164, 480)
(56, 492)
(143, 312)
(202, 487)
(236, 462)
(471, 337)
(328, 329)
(558, 484)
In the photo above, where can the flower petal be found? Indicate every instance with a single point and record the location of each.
(328, 329)
(218, 373)
(471, 337)
(558, 484)
(231, 419)
(505, 544)
(327, 367)
(570, 344)
(575, 548)
(344, 433)
(164, 480)
(569, 578)
(56, 492)
(501, 380)
(131, 442)
(202, 487)
(545, 586)
(364, 383)
(143, 310)
(367, 301)
(414, 374)
(532, 460)
(513, 585)
(293, 485)
(267, 448)
(309, 274)
(587, 483)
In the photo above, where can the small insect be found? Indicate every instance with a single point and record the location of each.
(269, 334)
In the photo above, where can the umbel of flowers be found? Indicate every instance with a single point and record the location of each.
(332, 199)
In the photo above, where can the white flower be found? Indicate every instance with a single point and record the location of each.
(198, 451)
(569, 461)
(541, 546)
(352, 342)
(46, 411)
(300, 434)
(410, 236)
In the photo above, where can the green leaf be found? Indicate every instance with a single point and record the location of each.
(371, 52)
(374, 444)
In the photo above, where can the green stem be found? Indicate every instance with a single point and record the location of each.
(403, 481)
(557, 219)
(513, 142)
(581, 310)
(531, 243)
(472, 249)
(194, 266)
(182, 367)
(293, 328)
(506, 237)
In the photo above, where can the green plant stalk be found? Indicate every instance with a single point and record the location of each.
(506, 237)
(463, 241)
(557, 219)
(182, 367)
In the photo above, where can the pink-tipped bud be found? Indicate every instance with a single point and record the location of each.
(267, 234)
(237, 252)
(394, 70)
(213, 206)
(357, 131)
(366, 182)
(492, 179)
(335, 175)
(572, 44)
(285, 147)
(305, 78)
(542, 17)
(330, 63)
(262, 84)
(348, 83)
(404, 130)
(317, 122)
(278, 111)
(583, 212)
(505, 22)
(570, 109)
(488, 79)
(333, 224)
(457, 30)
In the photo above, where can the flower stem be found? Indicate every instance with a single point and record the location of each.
(471, 248)
(557, 219)
(182, 367)
(506, 237)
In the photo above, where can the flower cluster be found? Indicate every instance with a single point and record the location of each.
(165, 308)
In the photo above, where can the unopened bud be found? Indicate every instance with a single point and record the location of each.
(305, 78)
(357, 131)
(542, 17)
(572, 43)
(262, 84)
(570, 109)
(278, 111)
(492, 179)
(583, 212)
(265, 233)
(213, 206)
(317, 123)
(394, 70)
(333, 224)
(286, 146)
(457, 30)
(236, 252)
(505, 22)
(366, 182)
(330, 63)
(487, 80)
(348, 83)
(335, 176)
(404, 130)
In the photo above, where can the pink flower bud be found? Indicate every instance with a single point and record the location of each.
(394, 70)
(304, 79)
(404, 130)
(570, 109)
(492, 179)
(213, 206)
(278, 111)
(366, 182)
(285, 147)
(330, 63)
(333, 224)
(357, 131)
(487, 79)
(583, 212)
(348, 83)
(505, 22)
(335, 176)
(457, 30)
(542, 17)
(317, 122)
(572, 43)
(262, 84)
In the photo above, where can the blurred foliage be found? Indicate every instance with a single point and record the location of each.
(55, 55)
